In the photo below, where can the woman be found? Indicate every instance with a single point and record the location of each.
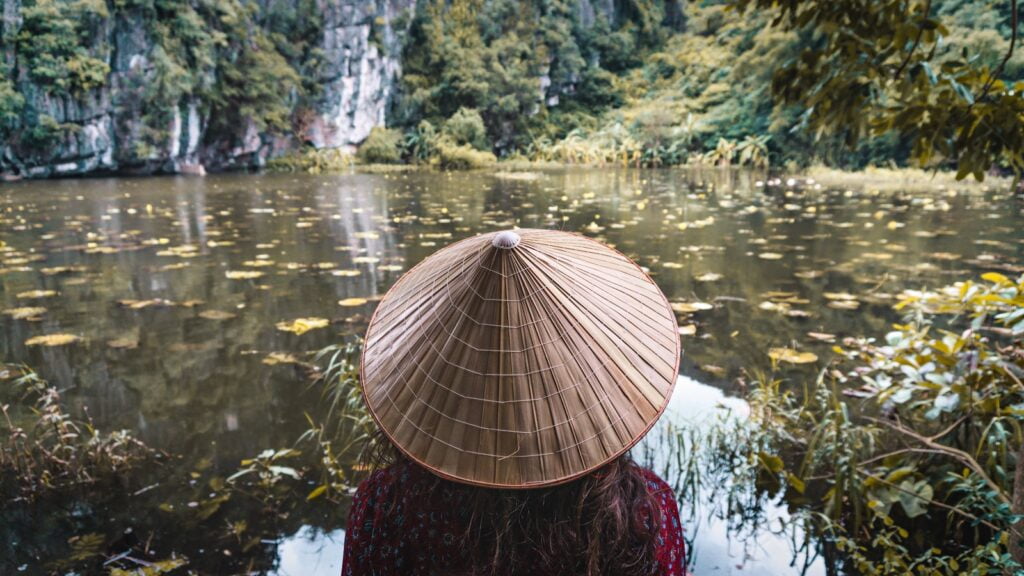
(509, 375)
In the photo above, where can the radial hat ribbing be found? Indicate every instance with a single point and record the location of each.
(520, 359)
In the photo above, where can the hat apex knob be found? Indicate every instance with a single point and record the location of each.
(505, 240)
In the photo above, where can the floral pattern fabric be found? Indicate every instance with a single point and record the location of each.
(420, 536)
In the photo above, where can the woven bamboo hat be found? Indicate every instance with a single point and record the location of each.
(520, 359)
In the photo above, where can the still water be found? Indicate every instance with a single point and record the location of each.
(181, 296)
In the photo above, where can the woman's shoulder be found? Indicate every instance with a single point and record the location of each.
(654, 482)
(401, 475)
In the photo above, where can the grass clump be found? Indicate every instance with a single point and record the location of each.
(462, 157)
(382, 146)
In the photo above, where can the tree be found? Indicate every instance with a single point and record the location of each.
(870, 68)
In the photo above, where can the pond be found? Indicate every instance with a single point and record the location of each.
(182, 296)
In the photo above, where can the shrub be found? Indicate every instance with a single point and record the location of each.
(920, 427)
(466, 127)
(452, 157)
(381, 147)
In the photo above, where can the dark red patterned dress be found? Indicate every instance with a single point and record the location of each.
(421, 537)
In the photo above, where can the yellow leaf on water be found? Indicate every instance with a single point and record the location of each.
(35, 294)
(25, 312)
(216, 315)
(995, 278)
(126, 343)
(345, 273)
(300, 326)
(58, 339)
(839, 296)
(770, 256)
(243, 274)
(688, 330)
(275, 358)
(690, 307)
(352, 302)
(709, 277)
(791, 356)
(140, 304)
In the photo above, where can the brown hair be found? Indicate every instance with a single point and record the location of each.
(603, 524)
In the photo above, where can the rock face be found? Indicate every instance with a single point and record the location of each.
(102, 127)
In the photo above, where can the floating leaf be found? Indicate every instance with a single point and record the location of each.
(300, 326)
(275, 358)
(839, 296)
(713, 370)
(243, 274)
(345, 273)
(770, 256)
(25, 312)
(709, 277)
(36, 294)
(59, 339)
(688, 330)
(791, 356)
(317, 492)
(140, 304)
(216, 315)
(126, 343)
(352, 302)
(690, 307)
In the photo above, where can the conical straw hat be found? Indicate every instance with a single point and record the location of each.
(520, 359)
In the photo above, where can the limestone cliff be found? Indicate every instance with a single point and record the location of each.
(101, 129)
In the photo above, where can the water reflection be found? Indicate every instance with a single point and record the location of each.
(775, 546)
(311, 552)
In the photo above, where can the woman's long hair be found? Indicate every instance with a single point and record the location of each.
(603, 524)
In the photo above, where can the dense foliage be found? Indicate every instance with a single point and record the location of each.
(907, 452)
(642, 82)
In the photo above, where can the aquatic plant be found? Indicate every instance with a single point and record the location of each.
(48, 449)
